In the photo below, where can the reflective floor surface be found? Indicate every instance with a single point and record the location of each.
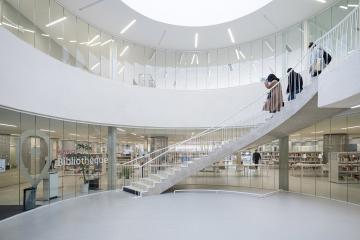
(118, 215)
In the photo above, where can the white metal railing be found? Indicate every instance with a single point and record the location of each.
(338, 43)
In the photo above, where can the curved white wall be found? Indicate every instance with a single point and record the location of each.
(34, 82)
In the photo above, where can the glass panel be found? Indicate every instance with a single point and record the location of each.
(56, 31)
(335, 144)
(42, 37)
(68, 147)
(94, 50)
(10, 177)
(353, 130)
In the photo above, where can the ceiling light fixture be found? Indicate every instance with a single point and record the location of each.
(74, 134)
(60, 38)
(269, 46)
(353, 5)
(317, 132)
(107, 42)
(128, 26)
(93, 39)
(357, 106)
(73, 41)
(95, 66)
(231, 35)
(242, 55)
(121, 130)
(47, 130)
(343, 7)
(55, 22)
(45, 35)
(7, 125)
(196, 39)
(20, 28)
(193, 59)
(237, 54)
(134, 134)
(121, 69)
(321, 1)
(95, 44)
(124, 51)
(350, 127)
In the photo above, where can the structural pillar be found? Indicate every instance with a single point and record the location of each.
(111, 152)
(284, 163)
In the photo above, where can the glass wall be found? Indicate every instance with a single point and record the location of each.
(52, 29)
(57, 159)
(324, 161)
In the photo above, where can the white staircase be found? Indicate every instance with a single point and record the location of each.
(162, 169)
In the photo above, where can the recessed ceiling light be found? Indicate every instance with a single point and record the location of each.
(73, 41)
(237, 54)
(55, 22)
(353, 5)
(95, 66)
(321, 1)
(269, 46)
(7, 125)
(193, 59)
(121, 69)
(317, 132)
(128, 26)
(60, 38)
(106, 42)
(93, 39)
(124, 51)
(196, 39)
(343, 7)
(45, 35)
(242, 55)
(357, 106)
(231, 35)
(95, 44)
(47, 130)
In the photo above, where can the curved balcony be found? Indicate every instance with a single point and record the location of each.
(52, 29)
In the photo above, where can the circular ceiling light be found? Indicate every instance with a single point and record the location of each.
(195, 13)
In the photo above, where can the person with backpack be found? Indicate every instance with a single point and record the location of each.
(319, 59)
(295, 84)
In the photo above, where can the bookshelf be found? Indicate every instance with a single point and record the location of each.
(344, 167)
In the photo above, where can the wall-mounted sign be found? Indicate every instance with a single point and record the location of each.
(2, 165)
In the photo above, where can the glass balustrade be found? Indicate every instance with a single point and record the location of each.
(52, 29)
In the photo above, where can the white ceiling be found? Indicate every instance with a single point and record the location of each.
(113, 15)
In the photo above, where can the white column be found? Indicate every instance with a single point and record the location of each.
(111, 151)
(284, 163)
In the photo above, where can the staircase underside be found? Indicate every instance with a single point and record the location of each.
(296, 115)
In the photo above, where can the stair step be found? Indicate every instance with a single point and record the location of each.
(148, 181)
(157, 177)
(139, 185)
(133, 190)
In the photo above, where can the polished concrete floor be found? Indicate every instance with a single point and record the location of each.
(117, 215)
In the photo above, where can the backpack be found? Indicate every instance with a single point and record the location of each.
(327, 58)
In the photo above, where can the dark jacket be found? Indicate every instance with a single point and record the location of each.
(295, 83)
(256, 157)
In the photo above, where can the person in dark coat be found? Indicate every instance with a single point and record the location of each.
(295, 84)
(256, 158)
